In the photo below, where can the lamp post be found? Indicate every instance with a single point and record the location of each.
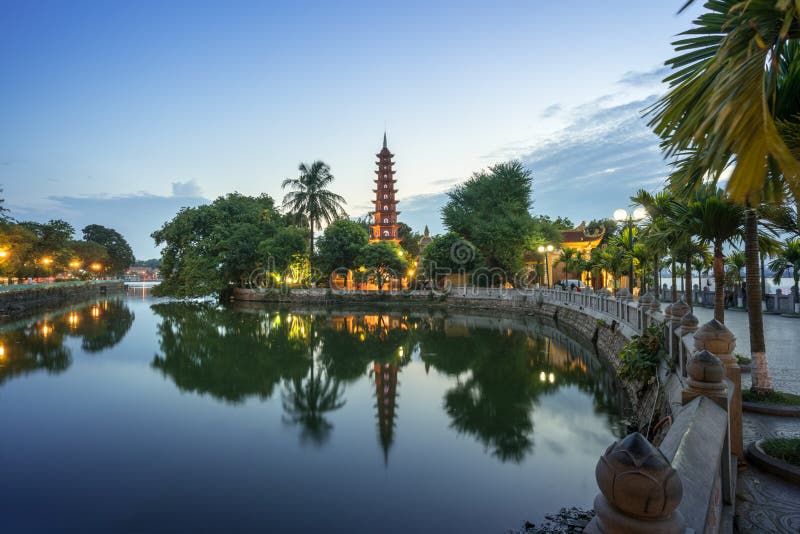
(621, 215)
(545, 250)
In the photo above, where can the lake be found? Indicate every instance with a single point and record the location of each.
(134, 414)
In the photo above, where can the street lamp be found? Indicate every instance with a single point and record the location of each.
(621, 215)
(544, 250)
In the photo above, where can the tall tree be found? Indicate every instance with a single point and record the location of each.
(120, 255)
(310, 196)
(788, 259)
(717, 220)
(492, 210)
(340, 244)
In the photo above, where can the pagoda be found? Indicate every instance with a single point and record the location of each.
(385, 225)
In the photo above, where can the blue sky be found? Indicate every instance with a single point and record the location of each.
(119, 113)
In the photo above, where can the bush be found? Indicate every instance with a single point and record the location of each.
(784, 449)
(641, 355)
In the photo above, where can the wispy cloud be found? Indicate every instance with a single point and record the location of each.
(644, 78)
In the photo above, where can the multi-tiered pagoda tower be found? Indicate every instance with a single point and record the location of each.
(385, 226)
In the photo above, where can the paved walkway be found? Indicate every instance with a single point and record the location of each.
(764, 502)
(783, 345)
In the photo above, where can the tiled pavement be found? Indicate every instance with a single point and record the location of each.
(764, 502)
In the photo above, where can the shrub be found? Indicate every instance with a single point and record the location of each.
(641, 355)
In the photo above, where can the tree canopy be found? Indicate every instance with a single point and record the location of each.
(210, 247)
(120, 255)
(492, 210)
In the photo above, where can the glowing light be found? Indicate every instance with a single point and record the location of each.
(47, 261)
(551, 378)
(411, 272)
(543, 376)
(72, 319)
(46, 330)
(96, 266)
(95, 311)
(639, 214)
(2, 352)
(75, 264)
(3, 253)
(620, 215)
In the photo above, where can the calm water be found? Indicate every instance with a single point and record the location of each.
(137, 415)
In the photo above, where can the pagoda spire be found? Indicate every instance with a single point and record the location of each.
(384, 226)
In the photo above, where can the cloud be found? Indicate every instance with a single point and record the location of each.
(420, 210)
(133, 216)
(551, 111)
(644, 78)
(188, 189)
(593, 165)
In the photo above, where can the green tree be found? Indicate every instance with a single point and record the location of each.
(283, 247)
(340, 244)
(788, 258)
(52, 243)
(310, 197)
(492, 210)
(717, 220)
(571, 259)
(450, 252)
(86, 253)
(409, 239)
(120, 255)
(385, 260)
(208, 248)
(731, 60)
(18, 244)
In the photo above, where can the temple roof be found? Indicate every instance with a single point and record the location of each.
(580, 235)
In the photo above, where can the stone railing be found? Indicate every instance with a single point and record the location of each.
(687, 484)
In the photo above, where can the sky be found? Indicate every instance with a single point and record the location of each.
(120, 113)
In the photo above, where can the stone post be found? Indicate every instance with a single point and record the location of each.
(707, 378)
(644, 307)
(678, 310)
(688, 326)
(639, 491)
(669, 333)
(718, 340)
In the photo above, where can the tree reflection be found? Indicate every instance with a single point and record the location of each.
(40, 344)
(305, 402)
(500, 373)
(230, 355)
(505, 372)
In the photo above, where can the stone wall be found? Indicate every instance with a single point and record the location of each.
(18, 302)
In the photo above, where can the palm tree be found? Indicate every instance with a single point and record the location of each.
(716, 219)
(727, 89)
(311, 198)
(571, 258)
(733, 98)
(735, 263)
(788, 259)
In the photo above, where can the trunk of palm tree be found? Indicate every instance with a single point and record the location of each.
(688, 295)
(655, 276)
(761, 382)
(674, 282)
(719, 281)
(763, 278)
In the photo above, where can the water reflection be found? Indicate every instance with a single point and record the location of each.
(499, 369)
(40, 343)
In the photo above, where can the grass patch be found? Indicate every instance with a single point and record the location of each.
(776, 397)
(785, 449)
